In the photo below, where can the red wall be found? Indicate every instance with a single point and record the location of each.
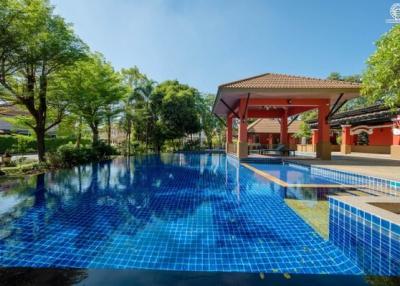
(264, 138)
(381, 136)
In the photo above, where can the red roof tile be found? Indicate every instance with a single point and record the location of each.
(272, 80)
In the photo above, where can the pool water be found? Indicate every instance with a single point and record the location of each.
(185, 212)
(293, 173)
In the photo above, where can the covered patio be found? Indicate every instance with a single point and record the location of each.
(283, 97)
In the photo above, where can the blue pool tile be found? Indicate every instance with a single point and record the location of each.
(169, 212)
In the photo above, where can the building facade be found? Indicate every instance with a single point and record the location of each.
(266, 132)
(374, 129)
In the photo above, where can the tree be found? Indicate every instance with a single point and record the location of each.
(335, 76)
(358, 102)
(381, 80)
(210, 124)
(178, 111)
(93, 88)
(304, 131)
(34, 45)
(142, 93)
(134, 113)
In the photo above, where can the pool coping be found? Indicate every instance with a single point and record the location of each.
(363, 204)
(298, 161)
(384, 186)
(287, 185)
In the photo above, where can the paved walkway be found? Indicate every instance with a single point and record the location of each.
(377, 165)
(27, 156)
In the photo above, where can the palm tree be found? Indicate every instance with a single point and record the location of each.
(143, 93)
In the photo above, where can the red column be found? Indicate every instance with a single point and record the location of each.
(347, 140)
(242, 150)
(324, 144)
(271, 140)
(229, 140)
(229, 128)
(314, 139)
(395, 148)
(243, 131)
(284, 128)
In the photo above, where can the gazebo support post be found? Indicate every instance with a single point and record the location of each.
(284, 128)
(314, 139)
(229, 140)
(242, 149)
(324, 145)
(345, 146)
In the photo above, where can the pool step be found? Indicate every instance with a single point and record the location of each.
(356, 193)
(261, 160)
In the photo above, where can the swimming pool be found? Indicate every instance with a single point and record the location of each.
(293, 173)
(185, 212)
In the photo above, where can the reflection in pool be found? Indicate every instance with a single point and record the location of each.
(170, 212)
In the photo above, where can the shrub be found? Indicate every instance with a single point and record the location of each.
(69, 155)
(102, 150)
(138, 148)
(191, 145)
(23, 144)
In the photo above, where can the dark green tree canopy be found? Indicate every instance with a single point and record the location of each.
(177, 108)
(34, 45)
(381, 80)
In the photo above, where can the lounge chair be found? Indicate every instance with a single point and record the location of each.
(281, 149)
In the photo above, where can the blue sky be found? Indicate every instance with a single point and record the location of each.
(205, 43)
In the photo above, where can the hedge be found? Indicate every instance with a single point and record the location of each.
(22, 144)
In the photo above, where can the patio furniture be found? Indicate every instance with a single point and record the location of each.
(281, 149)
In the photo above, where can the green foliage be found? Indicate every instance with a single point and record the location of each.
(309, 115)
(381, 80)
(350, 78)
(304, 131)
(210, 124)
(93, 88)
(35, 44)
(69, 155)
(22, 144)
(192, 145)
(178, 110)
(358, 102)
(138, 116)
(101, 150)
(17, 144)
(47, 70)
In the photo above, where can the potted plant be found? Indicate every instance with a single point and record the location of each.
(6, 158)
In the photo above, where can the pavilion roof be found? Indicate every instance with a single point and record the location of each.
(270, 125)
(274, 80)
(283, 86)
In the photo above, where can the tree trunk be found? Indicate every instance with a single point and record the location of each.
(129, 143)
(95, 134)
(109, 130)
(41, 118)
(147, 135)
(40, 134)
(79, 137)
